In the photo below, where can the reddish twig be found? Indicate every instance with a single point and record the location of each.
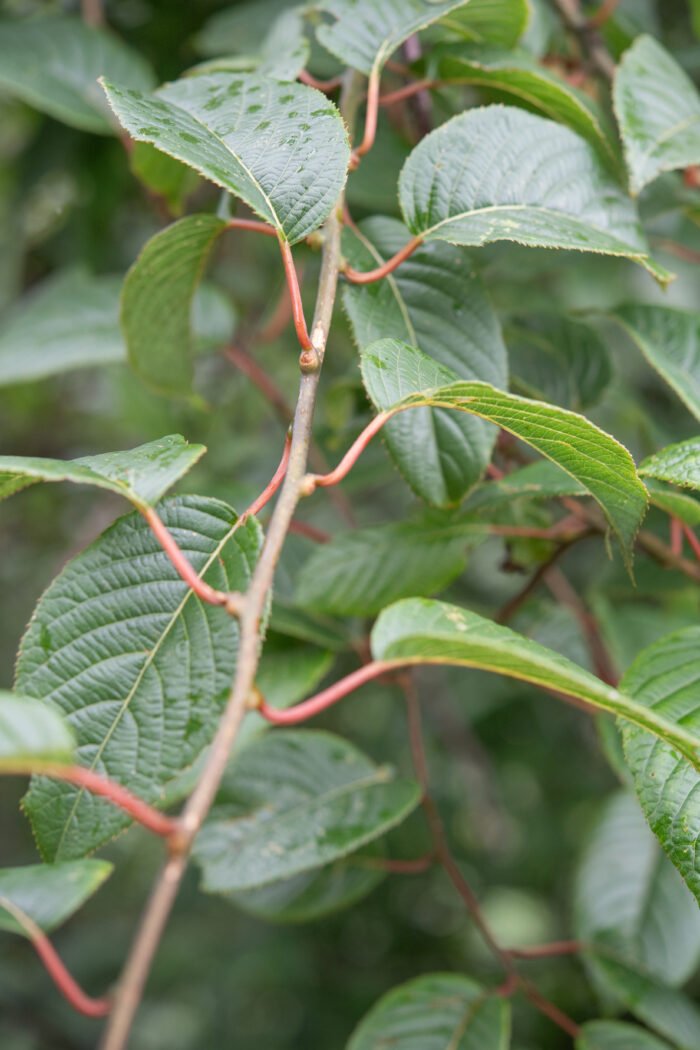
(274, 483)
(369, 276)
(309, 708)
(566, 595)
(603, 13)
(313, 481)
(281, 316)
(254, 225)
(302, 528)
(55, 967)
(400, 867)
(556, 1016)
(676, 537)
(265, 384)
(185, 570)
(692, 539)
(320, 85)
(408, 90)
(295, 295)
(370, 119)
(546, 951)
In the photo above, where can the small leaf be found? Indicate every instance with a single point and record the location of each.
(500, 22)
(437, 302)
(367, 32)
(670, 341)
(616, 1035)
(439, 1011)
(53, 64)
(558, 359)
(142, 475)
(658, 110)
(282, 148)
(665, 678)
(138, 665)
(673, 502)
(420, 631)
(291, 802)
(498, 173)
(157, 300)
(70, 320)
(517, 73)
(398, 377)
(49, 893)
(632, 901)
(31, 733)
(679, 464)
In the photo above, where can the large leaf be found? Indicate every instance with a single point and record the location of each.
(439, 1011)
(679, 464)
(366, 32)
(665, 677)
(658, 110)
(398, 377)
(630, 898)
(31, 734)
(69, 321)
(54, 63)
(291, 802)
(142, 475)
(360, 572)
(558, 359)
(670, 340)
(616, 1035)
(282, 148)
(500, 22)
(285, 50)
(434, 301)
(517, 73)
(157, 302)
(421, 631)
(138, 665)
(48, 894)
(499, 173)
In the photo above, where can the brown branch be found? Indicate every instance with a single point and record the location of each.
(603, 13)
(565, 594)
(588, 37)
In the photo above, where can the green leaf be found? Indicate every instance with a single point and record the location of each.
(49, 893)
(53, 64)
(632, 901)
(616, 1035)
(658, 110)
(500, 22)
(437, 302)
(366, 32)
(360, 572)
(31, 733)
(669, 1012)
(539, 480)
(517, 73)
(420, 631)
(664, 677)
(285, 50)
(282, 148)
(439, 1011)
(240, 28)
(499, 173)
(291, 802)
(138, 665)
(558, 359)
(70, 320)
(169, 178)
(670, 340)
(398, 377)
(679, 464)
(142, 475)
(157, 302)
(670, 500)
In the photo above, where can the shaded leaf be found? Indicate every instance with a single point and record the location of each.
(658, 110)
(291, 802)
(630, 898)
(282, 148)
(139, 666)
(285, 49)
(679, 464)
(670, 340)
(49, 893)
(53, 64)
(70, 320)
(616, 1035)
(398, 377)
(539, 480)
(558, 359)
(157, 302)
(439, 1011)
(517, 73)
(499, 173)
(670, 500)
(367, 32)
(420, 631)
(169, 178)
(437, 302)
(31, 733)
(490, 21)
(142, 475)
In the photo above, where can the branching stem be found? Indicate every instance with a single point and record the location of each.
(369, 276)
